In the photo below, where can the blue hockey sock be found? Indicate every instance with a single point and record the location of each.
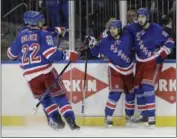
(50, 108)
(65, 106)
(140, 101)
(129, 103)
(149, 96)
(111, 103)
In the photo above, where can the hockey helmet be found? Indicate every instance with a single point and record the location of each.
(144, 11)
(34, 18)
(116, 23)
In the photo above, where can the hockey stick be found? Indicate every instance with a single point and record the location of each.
(13, 9)
(84, 85)
(85, 79)
(48, 89)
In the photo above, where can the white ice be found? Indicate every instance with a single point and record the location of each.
(45, 131)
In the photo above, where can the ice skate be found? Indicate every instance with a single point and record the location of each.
(108, 122)
(72, 124)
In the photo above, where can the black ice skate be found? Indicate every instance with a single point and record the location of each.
(141, 119)
(72, 123)
(59, 124)
(151, 122)
(108, 122)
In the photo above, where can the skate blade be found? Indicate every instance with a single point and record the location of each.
(150, 127)
(133, 125)
(108, 126)
(75, 130)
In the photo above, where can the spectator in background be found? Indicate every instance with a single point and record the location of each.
(102, 35)
(57, 15)
(131, 16)
(166, 23)
(58, 12)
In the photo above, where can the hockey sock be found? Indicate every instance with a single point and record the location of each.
(65, 106)
(129, 103)
(149, 96)
(50, 108)
(140, 101)
(111, 103)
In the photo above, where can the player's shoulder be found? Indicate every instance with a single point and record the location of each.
(47, 37)
(158, 29)
(45, 34)
(104, 40)
(156, 26)
(126, 34)
(131, 26)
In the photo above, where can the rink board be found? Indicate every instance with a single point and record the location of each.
(18, 102)
(82, 121)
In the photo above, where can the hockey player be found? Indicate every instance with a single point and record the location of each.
(117, 47)
(36, 50)
(152, 45)
(55, 32)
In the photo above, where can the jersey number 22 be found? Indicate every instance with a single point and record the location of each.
(30, 57)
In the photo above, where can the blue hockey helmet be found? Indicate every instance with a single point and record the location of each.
(116, 23)
(34, 18)
(25, 17)
(144, 11)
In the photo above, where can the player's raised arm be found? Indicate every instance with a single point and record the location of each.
(166, 44)
(14, 50)
(51, 52)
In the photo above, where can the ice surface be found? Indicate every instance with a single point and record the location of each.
(45, 131)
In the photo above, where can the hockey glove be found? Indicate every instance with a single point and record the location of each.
(61, 31)
(160, 59)
(71, 55)
(92, 41)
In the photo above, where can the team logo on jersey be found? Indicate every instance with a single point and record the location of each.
(164, 33)
(118, 42)
(93, 85)
(49, 40)
(166, 88)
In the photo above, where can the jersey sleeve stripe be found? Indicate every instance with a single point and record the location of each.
(170, 40)
(49, 52)
(10, 55)
(167, 50)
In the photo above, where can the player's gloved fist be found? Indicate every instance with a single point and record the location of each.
(92, 41)
(60, 30)
(71, 55)
(160, 59)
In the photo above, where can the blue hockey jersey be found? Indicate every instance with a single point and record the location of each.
(36, 50)
(151, 42)
(119, 52)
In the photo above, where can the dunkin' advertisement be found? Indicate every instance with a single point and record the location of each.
(97, 90)
(74, 79)
(166, 87)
